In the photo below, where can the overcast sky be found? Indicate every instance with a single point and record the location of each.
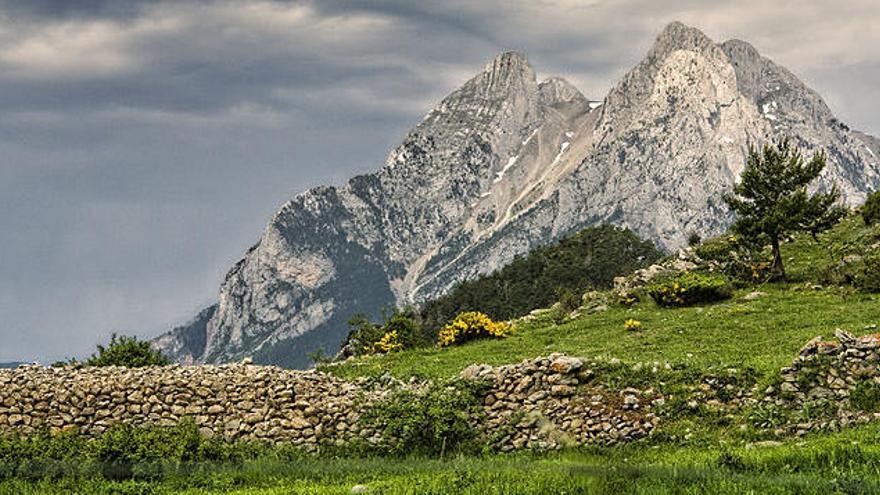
(144, 144)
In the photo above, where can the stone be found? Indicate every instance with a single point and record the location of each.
(751, 296)
(562, 390)
(565, 364)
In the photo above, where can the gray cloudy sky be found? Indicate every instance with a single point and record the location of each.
(144, 144)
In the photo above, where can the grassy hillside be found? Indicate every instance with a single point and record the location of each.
(764, 333)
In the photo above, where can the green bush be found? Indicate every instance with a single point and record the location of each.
(865, 396)
(871, 209)
(867, 278)
(437, 420)
(767, 416)
(399, 329)
(690, 288)
(125, 351)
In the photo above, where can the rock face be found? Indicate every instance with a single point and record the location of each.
(506, 163)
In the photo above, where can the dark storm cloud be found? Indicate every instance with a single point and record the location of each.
(145, 143)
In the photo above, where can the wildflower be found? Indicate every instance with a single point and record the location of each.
(632, 325)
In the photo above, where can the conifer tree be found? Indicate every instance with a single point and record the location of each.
(771, 200)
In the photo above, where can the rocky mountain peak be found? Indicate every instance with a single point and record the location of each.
(504, 164)
(508, 69)
(678, 36)
(556, 90)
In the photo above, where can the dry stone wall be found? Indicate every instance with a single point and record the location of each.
(552, 402)
(236, 401)
(539, 404)
(832, 381)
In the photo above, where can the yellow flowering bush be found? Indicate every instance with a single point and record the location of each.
(390, 342)
(691, 288)
(632, 325)
(471, 325)
(760, 271)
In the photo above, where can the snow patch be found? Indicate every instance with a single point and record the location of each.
(561, 152)
(870, 151)
(530, 137)
(767, 109)
(485, 194)
(510, 162)
(569, 134)
(594, 104)
(726, 140)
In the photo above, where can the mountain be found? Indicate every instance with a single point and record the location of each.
(505, 164)
(14, 364)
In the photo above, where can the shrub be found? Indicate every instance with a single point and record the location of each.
(398, 330)
(127, 351)
(569, 300)
(430, 422)
(871, 209)
(691, 288)
(865, 396)
(390, 342)
(471, 325)
(718, 248)
(867, 278)
(767, 415)
(694, 239)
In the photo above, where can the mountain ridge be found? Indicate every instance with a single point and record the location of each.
(507, 163)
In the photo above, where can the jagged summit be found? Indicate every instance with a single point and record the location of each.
(509, 69)
(556, 90)
(678, 36)
(504, 164)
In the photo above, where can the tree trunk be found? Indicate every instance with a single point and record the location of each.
(778, 269)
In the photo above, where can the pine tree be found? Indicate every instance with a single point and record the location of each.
(771, 200)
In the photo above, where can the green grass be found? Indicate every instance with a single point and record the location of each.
(764, 334)
(846, 462)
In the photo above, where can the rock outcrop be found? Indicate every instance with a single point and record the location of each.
(506, 163)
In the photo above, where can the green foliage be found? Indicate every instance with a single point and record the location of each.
(432, 422)
(127, 351)
(865, 396)
(690, 288)
(122, 452)
(736, 259)
(399, 329)
(588, 259)
(771, 200)
(766, 416)
(867, 278)
(731, 460)
(871, 209)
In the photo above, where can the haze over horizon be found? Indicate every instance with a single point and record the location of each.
(147, 143)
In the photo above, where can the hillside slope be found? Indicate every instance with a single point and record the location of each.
(763, 331)
(505, 164)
